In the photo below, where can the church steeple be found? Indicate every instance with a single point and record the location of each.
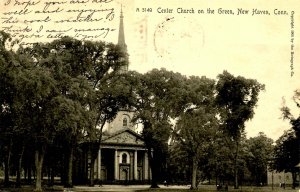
(125, 115)
(121, 38)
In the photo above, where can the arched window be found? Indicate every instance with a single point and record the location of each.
(124, 158)
(125, 122)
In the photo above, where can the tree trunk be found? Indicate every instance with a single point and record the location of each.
(39, 158)
(94, 149)
(6, 171)
(6, 164)
(69, 182)
(52, 177)
(294, 177)
(153, 170)
(236, 184)
(63, 170)
(92, 172)
(194, 173)
(29, 179)
(18, 180)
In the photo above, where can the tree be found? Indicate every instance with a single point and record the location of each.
(158, 98)
(294, 119)
(236, 98)
(295, 122)
(286, 154)
(196, 127)
(197, 133)
(40, 86)
(220, 162)
(259, 152)
(6, 122)
(13, 133)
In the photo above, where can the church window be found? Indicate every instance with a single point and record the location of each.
(125, 122)
(124, 158)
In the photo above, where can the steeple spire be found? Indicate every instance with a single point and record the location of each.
(121, 41)
(121, 38)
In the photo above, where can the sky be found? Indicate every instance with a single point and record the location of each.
(256, 47)
(197, 43)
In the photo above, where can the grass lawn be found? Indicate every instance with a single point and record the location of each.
(206, 188)
(212, 188)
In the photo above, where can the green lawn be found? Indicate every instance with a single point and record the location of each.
(165, 189)
(241, 189)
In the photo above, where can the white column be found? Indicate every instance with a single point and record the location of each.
(116, 165)
(146, 166)
(135, 166)
(99, 165)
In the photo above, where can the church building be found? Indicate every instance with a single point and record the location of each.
(123, 155)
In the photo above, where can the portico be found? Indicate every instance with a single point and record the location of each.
(122, 157)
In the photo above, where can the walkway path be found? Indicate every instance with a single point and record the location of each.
(123, 188)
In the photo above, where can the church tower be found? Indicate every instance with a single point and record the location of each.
(124, 116)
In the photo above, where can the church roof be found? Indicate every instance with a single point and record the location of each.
(124, 137)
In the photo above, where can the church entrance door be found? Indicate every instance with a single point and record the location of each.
(124, 174)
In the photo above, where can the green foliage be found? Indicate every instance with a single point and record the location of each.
(294, 120)
(236, 97)
(288, 145)
(286, 152)
(198, 122)
(158, 97)
(259, 151)
(59, 91)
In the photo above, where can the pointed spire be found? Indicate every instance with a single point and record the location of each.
(121, 38)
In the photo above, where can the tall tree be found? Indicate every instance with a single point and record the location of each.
(13, 132)
(6, 119)
(159, 98)
(196, 127)
(236, 98)
(294, 120)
